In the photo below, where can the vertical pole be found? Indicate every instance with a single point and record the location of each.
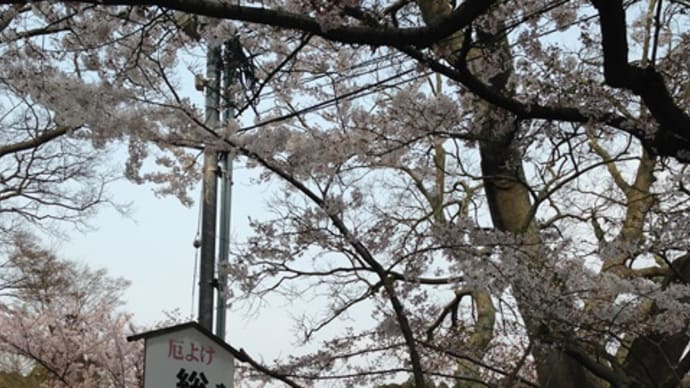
(209, 187)
(224, 240)
(229, 69)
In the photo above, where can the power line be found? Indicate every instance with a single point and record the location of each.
(358, 93)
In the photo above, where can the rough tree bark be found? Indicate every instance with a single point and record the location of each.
(505, 187)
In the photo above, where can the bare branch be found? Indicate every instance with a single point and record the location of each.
(35, 142)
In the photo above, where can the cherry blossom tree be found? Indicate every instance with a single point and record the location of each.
(501, 186)
(61, 323)
(50, 173)
(46, 174)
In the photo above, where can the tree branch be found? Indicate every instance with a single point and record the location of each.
(616, 379)
(242, 356)
(34, 142)
(375, 36)
(527, 111)
(7, 16)
(674, 123)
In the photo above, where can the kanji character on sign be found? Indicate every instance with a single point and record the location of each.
(175, 349)
(190, 380)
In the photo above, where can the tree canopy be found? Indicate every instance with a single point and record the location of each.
(500, 186)
(61, 323)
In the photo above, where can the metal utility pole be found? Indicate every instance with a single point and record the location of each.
(230, 67)
(209, 188)
(225, 162)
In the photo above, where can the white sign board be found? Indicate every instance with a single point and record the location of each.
(186, 358)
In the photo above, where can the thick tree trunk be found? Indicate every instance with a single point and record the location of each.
(511, 211)
(506, 190)
(652, 360)
(510, 206)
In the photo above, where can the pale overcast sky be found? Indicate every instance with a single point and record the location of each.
(153, 250)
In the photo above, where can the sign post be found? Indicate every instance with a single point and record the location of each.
(186, 356)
